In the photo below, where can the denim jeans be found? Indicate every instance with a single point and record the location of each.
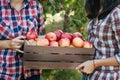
(84, 77)
(34, 77)
(2, 79)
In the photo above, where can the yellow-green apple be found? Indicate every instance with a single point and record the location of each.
(78, 42)
(87, 44)
(77, 34)
(64, 42)
(31, 42)
(42, 42)
(67, 35)
(54, 43)
(58, 33)
(51, 36)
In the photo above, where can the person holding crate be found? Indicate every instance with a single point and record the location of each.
(104, 33)
(17, 17)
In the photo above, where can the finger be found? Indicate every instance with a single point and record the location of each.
(79, 67)
(18, 41)
(21, 37)
(19, 50)
(83, 70)
(16, 46)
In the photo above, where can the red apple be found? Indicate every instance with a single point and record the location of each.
(51, 36)
(54, 43)
(42, 42)
(78, 42)
(77, 34)
(87, 44)
(67, 35)
(58, 34)
(64, 42)
(31, 35)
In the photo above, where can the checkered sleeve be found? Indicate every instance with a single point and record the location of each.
(40, 19)
(115, 17)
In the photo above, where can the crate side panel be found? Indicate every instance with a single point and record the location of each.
(49, 65)
(54, 58)
(61, 50)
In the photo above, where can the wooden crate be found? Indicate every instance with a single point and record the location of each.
(46, 57)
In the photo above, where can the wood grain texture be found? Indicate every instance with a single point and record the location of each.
(46, 57)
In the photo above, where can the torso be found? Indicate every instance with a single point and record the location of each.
(14, 23)
(106, 43)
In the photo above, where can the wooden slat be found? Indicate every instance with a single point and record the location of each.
(54, 58)
(61, 50)
(49, 65)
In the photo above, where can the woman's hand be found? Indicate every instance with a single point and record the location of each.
(87, 67)
(16, 43)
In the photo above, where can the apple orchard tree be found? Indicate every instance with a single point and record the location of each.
(74, 13)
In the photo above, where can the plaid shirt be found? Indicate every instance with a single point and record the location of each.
(14, 23)
(105, 36)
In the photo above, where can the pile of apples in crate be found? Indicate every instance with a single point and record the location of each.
(58, 38)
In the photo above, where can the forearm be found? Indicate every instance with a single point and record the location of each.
(4, 44)
(106, 62)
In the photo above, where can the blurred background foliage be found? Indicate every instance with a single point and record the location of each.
(69, 16)
(61, 75)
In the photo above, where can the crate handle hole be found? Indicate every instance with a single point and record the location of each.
(35, 53)
(68, 54)
(27, 52)
(55, 53)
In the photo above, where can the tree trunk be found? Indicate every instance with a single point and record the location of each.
(66, 22)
